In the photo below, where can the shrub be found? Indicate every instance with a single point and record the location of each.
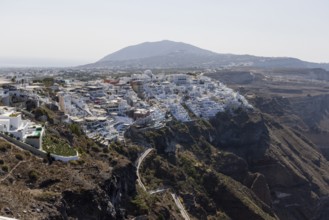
(73, 162)
(113, 162)
(75, 129)
(27, 153)
(5, 168)
(3, 149)
(141, 203)
(106, 150)
(1, 162)
(95, 149)
(19, 157)
(80, 161)
(4, 146)
(33, 175)
(80, 150)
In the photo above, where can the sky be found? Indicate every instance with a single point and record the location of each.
(76, 32)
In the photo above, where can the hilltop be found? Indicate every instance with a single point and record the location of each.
(151, 49)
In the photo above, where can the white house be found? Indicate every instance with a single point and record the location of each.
(11, 123)
(180, 79)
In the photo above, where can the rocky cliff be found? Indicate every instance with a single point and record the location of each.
(306, 114)
(245, 161)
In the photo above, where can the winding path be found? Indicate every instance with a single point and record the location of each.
(19, 163)
(174, 195)
(11, 171)
(180, 206)
(139, 161)
(159, 190)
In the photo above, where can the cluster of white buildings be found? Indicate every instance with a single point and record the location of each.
(204, 97)
(12, 124)
(105, 108)
(179, 112)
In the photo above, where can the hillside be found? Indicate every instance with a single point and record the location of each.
(245, 166)
(100, 185)
(169, 54)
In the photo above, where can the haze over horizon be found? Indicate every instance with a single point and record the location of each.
(68, 33)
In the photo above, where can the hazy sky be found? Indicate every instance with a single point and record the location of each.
(72, 32)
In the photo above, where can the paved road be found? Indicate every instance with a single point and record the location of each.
(180, 206)
(139, 162)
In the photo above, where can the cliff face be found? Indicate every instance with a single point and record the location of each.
(308, 114)
(296, 172)
(107, 200)
(279, 170)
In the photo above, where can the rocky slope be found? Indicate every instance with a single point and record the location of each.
(88, 189)
(246, 162)
(306, 114)
(240, 165)
(100, 185)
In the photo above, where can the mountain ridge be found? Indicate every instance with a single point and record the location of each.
(170, 54)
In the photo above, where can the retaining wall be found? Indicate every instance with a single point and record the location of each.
(38, 152)
(25, 146)
(65, 158)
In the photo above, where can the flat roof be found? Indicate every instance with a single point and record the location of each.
(5, 81)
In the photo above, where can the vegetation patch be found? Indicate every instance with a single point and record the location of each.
(5, 168)
(131, 151)
(14, 114)
(58, 146)
(33, 175)
(75, 129)
(143, 201)
(4, 146)
(19, 157)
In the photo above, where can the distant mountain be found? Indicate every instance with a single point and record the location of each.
(155, 49)
(170, 54)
